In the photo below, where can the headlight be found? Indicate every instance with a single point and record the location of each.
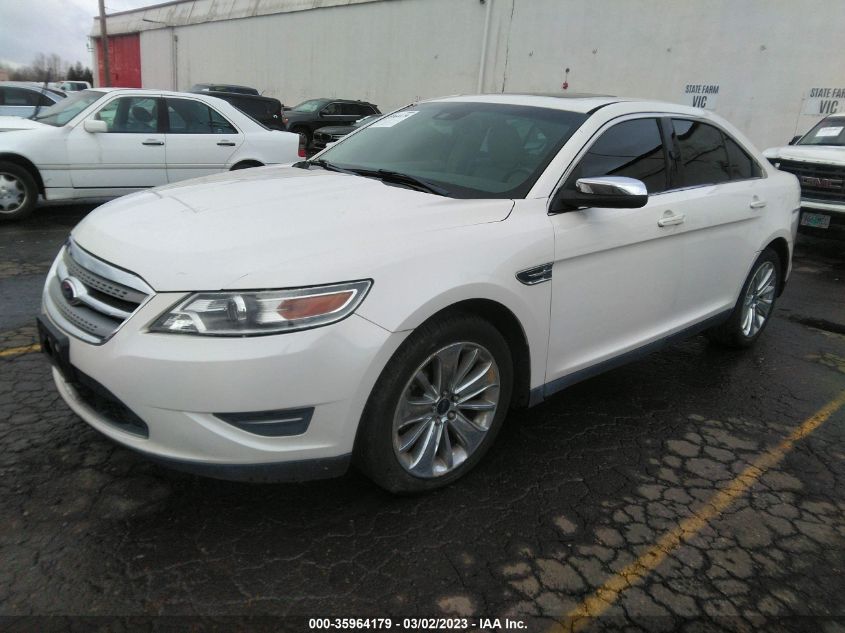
(252, 313)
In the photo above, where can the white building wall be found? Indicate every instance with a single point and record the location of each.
(764, 55)
(389, 52)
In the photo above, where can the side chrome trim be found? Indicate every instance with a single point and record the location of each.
(535, 275)
(53, 313)
(538, 394)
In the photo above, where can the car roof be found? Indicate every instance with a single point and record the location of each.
(238, 95)
(572, 102)
(335, 99)
(225, 84)
(583, 103)
(29, 85)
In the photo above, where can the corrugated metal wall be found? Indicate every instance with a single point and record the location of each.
(754, 61)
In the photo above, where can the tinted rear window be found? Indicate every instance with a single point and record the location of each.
(703, 154)
(742, 166)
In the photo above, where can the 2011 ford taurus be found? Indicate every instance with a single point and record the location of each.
(388, 301)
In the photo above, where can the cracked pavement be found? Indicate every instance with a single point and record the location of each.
(574, 492)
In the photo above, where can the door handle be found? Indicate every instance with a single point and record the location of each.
(670, 219)
(226, 143)
(152, 141)
(757, 203)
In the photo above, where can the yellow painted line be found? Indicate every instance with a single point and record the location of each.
(14, 351)
(609, 593)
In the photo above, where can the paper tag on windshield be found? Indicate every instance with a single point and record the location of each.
(830, 131)
(392, 119)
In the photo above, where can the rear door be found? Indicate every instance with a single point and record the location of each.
(130, 155)
(716, 195)
(200, 140)
(338, 113)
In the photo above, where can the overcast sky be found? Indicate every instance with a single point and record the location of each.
(29, 27)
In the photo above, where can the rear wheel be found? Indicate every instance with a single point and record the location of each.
(437, 407)
(755, 305)
(304, 136)
(246, 165)
(18, 191)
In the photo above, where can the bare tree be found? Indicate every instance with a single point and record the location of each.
(47, 68)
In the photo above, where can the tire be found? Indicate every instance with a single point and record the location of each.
(304, 133)
(741, 330)
(18, 192)
(458, 430)
(246, 165)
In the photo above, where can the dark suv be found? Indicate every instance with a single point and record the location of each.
(266, 110)
(241, 90)
(316, 113)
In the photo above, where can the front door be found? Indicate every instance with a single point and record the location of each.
(617, 272)
(130, 155)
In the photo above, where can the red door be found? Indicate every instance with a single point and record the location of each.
(124, 61)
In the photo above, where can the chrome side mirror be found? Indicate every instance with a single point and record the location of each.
(615, 192)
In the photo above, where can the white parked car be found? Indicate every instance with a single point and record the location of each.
(22, 99)
(388, 301)
(74, 85)
(108, 142)
(818, 160)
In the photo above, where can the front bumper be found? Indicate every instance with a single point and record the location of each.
(175, 384)
(836, 213)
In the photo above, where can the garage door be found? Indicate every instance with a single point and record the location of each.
(124, 61)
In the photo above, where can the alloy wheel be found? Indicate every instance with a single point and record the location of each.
(759, 299)
(446, 409)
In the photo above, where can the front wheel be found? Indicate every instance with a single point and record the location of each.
(18, 191)
(755, 306)
(437, 407)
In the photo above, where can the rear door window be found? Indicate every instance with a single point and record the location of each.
(194, 117)
(704, 158)
(742, 166)
(21, 97)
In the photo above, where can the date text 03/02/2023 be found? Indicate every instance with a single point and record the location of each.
(417, 624)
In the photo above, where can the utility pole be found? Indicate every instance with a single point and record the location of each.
(104, 44)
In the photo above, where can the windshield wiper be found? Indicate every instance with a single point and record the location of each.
(399, 178)
(322, 162)
(407, 179)
(385, 175)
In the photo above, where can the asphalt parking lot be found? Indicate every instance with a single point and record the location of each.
(697, 489)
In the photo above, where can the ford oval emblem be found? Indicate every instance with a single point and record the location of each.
(69, 291)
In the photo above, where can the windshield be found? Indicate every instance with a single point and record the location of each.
(59, 114)
(472, 150)
(309, 106)
(831, 131)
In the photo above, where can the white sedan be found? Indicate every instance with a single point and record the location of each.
(108, 142)
(388, 301)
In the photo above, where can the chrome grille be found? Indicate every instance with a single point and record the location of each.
(90, 298)
(822, 183)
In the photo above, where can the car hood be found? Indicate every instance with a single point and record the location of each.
(9, 123)
(825, 154)
(272, 227)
